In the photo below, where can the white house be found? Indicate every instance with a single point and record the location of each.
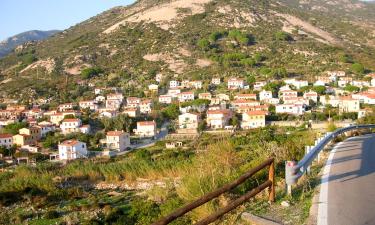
(133, 101)
(100, 98)
(46, 127)
(258, 85)
(73, 125)
(6, 140)
(153, 88)
(188, 121)
(174, 84)
(207, 96)
(287, 94)
(297, 83)
(311, 95)
(294, 109)
(218, 119)
(246, 96)
(348, 104)
(344, 81)
(263, 95)
(65, 107)
(146, 129)
(215, 81)
(72, 149)
(197, 84)
(132, 112)
(114, 101)
(145, 106)
(185, 96)
(173, 92)
(236, 83)
(91, 104)
(166, 99)
(272, 101)
(117, 140)
(330, 100)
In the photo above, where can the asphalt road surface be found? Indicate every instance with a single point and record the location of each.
(347, 194)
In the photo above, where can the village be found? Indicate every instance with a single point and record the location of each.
(192, 107)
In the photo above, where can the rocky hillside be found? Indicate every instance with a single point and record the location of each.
(197, 39)
(11, 43)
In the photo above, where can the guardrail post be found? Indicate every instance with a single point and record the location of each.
(288, 176)
(271, 177)
(307, 150)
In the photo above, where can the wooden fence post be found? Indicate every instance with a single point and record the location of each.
(271, 177)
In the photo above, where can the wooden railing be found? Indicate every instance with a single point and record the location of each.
(270, 183)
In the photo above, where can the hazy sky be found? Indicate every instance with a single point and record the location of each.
(17, 16)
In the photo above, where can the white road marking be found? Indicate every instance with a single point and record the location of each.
(323, 197)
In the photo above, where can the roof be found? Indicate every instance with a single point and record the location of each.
(219, 111)
(69, 143)
(114, 133)
(71, 120)
(186, 93)
(146, 123)
(246, 95)
(6, 135)
(256, 113)
(244, 101)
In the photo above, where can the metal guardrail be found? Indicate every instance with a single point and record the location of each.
(293, 171)
(270, 183)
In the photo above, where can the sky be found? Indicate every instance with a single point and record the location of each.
(17, 16)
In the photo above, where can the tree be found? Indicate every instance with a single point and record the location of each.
(13, 128)
(358, 68)
(283, 36)
(171, 112)
(250, 79)
(351, 88)
(91, 72)
(319, 89)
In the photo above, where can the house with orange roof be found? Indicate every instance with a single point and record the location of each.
(185, 96)
(145, 106)
(166, 99)
(218, 119)
(311, 95)
(205, 95)
(145, 129)
(348, 104)
(189, 120)
(72, 149)
(74, 125)
(246, 96)
(253, 119)
(236, 83)
(117, 140)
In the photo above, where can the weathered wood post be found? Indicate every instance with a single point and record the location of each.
(271, 177)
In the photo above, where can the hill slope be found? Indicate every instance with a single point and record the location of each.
(197, 39)
(9, 44)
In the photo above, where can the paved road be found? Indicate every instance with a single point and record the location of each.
(347, 194)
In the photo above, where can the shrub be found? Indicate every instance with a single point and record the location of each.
(91, 72)
(283, 36)
(51, 214)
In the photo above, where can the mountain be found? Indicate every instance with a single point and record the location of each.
(9, 44)
(195, 39)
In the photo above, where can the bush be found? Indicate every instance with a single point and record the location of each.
(51, 214)
(91, 72)
(283, 36)
(358, 68)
